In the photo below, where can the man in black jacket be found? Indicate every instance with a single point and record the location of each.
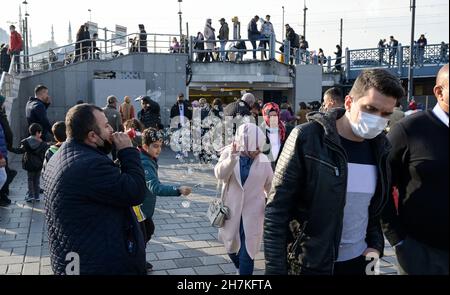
(332, 179)
(253, 33)
(419, 160)
(36, 111)
(180, 117)
(92, 229)
(142, 39)
(150, 114)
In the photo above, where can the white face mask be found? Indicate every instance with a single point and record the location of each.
(368, 126)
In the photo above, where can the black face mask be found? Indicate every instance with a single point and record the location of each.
(107, 146)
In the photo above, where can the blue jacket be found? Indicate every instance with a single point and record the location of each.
(88, 210)
(36, 112)
(155, 188)
(3, 145)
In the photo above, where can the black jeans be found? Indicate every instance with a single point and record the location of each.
(356, 266)
(254, 48)
(33, 184)
(416, 258)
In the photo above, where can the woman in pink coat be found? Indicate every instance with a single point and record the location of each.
(247, 177)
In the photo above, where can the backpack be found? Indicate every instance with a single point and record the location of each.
(32, 161)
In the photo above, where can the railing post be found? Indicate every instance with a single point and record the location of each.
(329, 64)
(191, 48)
(400, 57)
(272, 47)
(347, 63)
(287, 51)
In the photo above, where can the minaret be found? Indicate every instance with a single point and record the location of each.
(53, 35)
(20, 21)
(70, 41)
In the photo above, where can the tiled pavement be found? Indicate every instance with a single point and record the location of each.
(183, 244)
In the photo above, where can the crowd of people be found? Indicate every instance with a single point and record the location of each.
(417, 52)
(317, 187)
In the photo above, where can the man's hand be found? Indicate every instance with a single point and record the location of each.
(121, 141)
(373, 251)
(185, 190)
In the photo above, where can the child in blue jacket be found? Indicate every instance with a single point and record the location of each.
(152, 141)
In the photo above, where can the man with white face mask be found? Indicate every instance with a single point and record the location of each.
(332, 179)
(419, 160)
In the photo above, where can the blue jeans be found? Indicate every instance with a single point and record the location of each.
(222, 50)
(242, 260)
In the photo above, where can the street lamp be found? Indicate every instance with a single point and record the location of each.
(282, 34)
(25, 31)
(181, 21)
(90, 15)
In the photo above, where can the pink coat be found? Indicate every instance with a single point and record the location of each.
(247, 201)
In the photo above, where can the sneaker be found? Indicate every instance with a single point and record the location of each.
(149, 266)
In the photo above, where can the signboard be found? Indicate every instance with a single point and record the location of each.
(93, 28)
(120, 36)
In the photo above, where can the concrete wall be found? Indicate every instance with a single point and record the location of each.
(308, 83)
(164, 73)
(251, 72)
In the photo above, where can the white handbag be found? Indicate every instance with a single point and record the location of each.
(217, 211)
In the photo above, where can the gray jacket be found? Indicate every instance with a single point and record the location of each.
(114, 117)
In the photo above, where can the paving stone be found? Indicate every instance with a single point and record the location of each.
(228, 268)
(209, 270)
(177, 239)
(15, 269)
(182, 271)
(46, 270)
(5, 252)
(163, 264)
(208, 260)
(168, 255)
(202, 237)
(186, 231)
(175, 246)
(11, 260)
(3, 269)
(187, 262)
(192, 253)
(31, 269)
(197, 244)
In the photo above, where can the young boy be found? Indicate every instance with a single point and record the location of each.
(134, 128)
(59, 134)
(34, 150)
(152, 141)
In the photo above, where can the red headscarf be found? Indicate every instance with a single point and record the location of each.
(273, 107)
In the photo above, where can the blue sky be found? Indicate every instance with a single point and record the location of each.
(365, 22)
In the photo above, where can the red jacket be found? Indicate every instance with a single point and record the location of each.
(15, 42)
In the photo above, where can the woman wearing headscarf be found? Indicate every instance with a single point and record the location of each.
(126, 109)
(247, 175)
(275, 132)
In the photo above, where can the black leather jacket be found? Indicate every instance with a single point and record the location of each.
(310, 184)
